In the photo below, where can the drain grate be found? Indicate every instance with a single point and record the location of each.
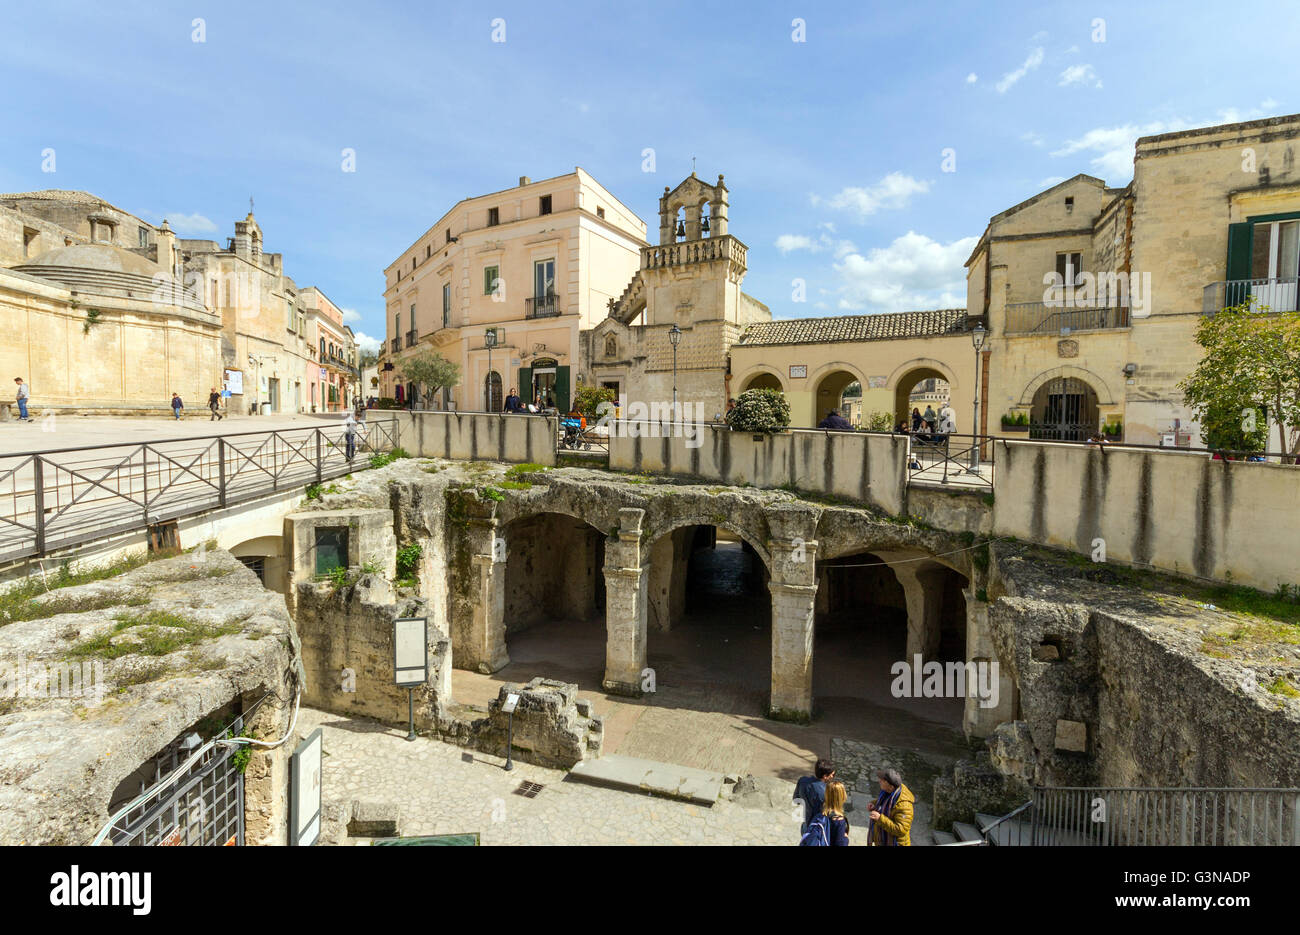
(467, 758)
(529, 790)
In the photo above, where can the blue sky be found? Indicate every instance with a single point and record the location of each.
(833, 147)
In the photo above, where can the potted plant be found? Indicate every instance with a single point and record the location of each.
(760, 411)
(1015, 422)
(1113, 430)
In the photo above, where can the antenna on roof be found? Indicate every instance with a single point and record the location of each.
(250, 204)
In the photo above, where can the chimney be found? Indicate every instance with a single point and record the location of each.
(524, 180)
(165, 244)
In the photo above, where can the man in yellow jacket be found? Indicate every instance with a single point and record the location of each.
(891, 814)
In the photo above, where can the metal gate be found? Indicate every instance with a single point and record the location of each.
(204, 807)
(1062, 411)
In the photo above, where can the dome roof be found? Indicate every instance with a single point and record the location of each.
(98, 256)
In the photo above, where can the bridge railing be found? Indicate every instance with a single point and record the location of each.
(55, 499)
(938, 458)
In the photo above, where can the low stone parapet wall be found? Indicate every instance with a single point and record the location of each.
(479, 436)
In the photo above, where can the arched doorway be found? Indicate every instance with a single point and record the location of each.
(922, 388)
(709, 617)
(554, 599)
(876, 610)
(830, 392)
(1064, 409)
(492, 395)
(763, 381)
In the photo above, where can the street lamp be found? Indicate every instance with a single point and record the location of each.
(976, 338)
(490, 339)
(674, 338)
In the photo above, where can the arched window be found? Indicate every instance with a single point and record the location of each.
(611, 346)
(322, 348)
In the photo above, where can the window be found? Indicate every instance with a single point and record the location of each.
(413, 262)
(449, 235)
(490, 276)
(1069, 268)
(428, 251)
(29, 239)
(446, 305)
(144, 236)
(290, 316)
(397, 326)
(600, 212)
(494, 217)
(543, 278)
(544, 204)
(331, 548)
(1069, 204)
(322, 350)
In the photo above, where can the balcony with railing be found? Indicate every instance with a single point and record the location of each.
(1046, 318)
(542, 306)
(703, 250)
(1278, 295)
(396, 344)
(411, 337)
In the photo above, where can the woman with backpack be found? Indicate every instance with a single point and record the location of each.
(830, 828)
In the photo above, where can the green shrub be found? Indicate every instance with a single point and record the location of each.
(760, 410)
(880, 422)
(408, 558)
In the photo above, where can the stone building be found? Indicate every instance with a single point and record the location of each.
(690, 280)
(813, 360)
(92, 316)
(1093, 293)
(534, 264)
(333, 385)
(104, 312)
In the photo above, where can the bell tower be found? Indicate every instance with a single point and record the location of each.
(681, 211)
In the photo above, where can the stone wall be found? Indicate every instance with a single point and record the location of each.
(868, 468)
(1177, 511)
(479, 436)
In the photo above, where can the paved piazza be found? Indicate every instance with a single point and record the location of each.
(440, 793)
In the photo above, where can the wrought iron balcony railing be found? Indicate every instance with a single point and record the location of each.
(397, 344)
(542, 306)
(1042, 318)
(1278, 295)
(411, 337)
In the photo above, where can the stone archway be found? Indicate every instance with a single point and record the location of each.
(906, 384)
(830, 385)
(762, 380)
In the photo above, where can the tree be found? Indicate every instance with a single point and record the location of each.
(763, 410)
(1251, 363)
(587, 399)
(367, 359)
(430, 372)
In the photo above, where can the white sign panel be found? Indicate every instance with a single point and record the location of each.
(410, 651)
(234, 381)
(512, 702)
(305, 791)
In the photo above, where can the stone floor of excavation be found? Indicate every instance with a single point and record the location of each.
(712, 672)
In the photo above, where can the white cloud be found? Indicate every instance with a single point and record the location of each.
(1010, 78)
(892, 191)
(972, 78)
(1113, 146)
(1051, 180)
(788, 243)
(1032, 138)
(189, 223)
(913, 272)
(350, 315)
(1080, 74)
(366, 342)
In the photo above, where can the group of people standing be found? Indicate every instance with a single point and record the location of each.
(825, 800)
(514, 403)
(943, 422)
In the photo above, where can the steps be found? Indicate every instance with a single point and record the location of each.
(646, 776)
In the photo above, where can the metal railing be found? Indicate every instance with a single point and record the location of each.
(1150, 817)
(938, 458)
(411, 337)
(396, 344)
(1042, 318)
(55, 499)
(1279, 295)
(542, 306)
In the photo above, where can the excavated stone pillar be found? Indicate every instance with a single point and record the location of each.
(979, 718)
(627, 575)
(923, 589)
(485, 650)
(793, 586)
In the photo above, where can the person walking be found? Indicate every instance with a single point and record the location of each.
(811, 791)
(350, 426)
(891, 814)
(214, 403)
(21, 398)
(177, 406)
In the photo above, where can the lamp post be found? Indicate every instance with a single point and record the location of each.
(490, 339)
(674, 338)
(976, 338)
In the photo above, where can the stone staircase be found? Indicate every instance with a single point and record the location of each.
(628, 305)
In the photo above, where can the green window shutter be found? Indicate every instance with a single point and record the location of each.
(488, 275)
(525, 385)
(562, 389)
(1239, 244)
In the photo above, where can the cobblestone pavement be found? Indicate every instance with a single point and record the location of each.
(439, 792)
